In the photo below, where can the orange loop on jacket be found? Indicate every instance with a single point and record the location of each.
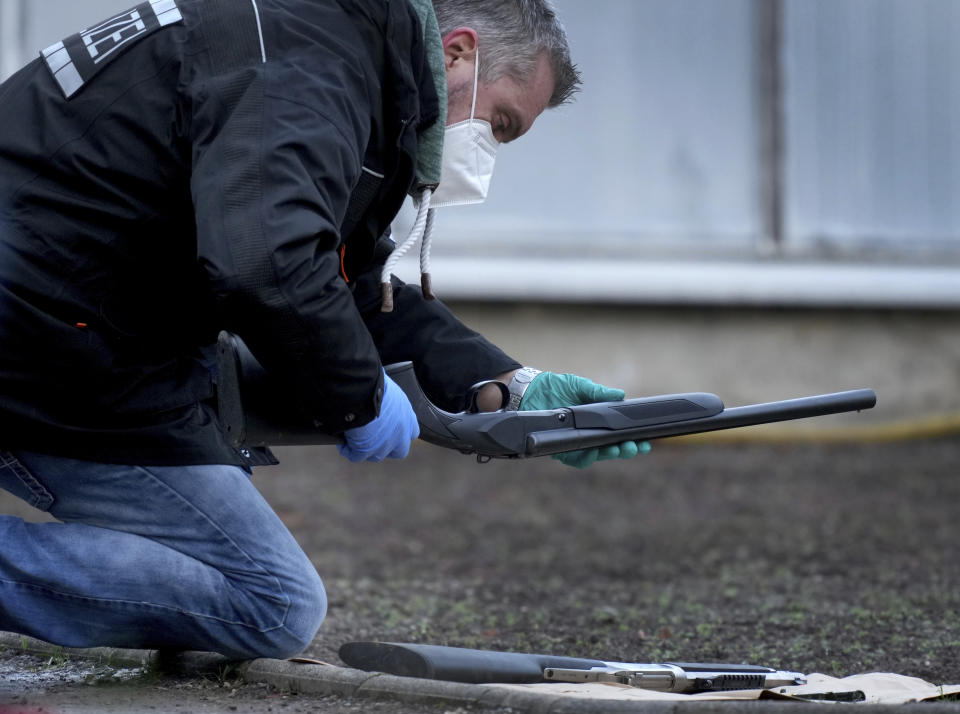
(343, 270)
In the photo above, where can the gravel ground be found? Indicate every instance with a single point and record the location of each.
(838, 559)
(31, 684)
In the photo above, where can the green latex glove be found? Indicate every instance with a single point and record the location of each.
(550, 390)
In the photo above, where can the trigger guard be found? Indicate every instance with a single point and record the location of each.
(472, 393)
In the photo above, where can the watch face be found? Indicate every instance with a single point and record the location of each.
(526, 375)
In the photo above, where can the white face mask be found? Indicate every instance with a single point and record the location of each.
(469, 152)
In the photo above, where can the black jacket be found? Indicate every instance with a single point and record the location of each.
(197, 165)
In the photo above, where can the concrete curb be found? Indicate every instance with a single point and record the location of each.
(322, 680)
(328, 679)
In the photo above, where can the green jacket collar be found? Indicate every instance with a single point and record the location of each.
(430, 149)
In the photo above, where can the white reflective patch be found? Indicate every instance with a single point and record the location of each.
(110, 37)
(69, 79)
(103, 40)
(62, 68)
(161, 6)
(57, 60)
(169, 17)
(166, 11)
(53, 48)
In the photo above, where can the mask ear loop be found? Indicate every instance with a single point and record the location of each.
(476, 84)
(426, 244)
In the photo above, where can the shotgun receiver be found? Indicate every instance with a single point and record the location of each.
(456, 664)
(253, 413)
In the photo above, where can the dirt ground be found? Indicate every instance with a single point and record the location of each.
(839, 559)
(835, 559)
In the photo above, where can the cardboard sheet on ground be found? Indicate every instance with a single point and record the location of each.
(872, 688)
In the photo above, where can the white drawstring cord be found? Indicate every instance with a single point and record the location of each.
(425, 245)
(422, 228)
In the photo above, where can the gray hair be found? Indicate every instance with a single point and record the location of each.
(513, 34)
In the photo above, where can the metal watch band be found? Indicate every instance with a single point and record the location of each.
(518, 385)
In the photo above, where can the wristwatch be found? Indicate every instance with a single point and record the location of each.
(518, 385)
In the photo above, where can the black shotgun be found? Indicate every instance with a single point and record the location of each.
(456, 664)
(253, 413)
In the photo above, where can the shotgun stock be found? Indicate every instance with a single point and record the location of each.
(456, 664)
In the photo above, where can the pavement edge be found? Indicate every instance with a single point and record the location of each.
(326, 679)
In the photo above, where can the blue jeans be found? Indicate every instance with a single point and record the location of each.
(186, 557)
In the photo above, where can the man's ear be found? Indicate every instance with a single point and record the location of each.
(459, 44)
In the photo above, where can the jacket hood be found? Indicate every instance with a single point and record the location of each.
(430, 149)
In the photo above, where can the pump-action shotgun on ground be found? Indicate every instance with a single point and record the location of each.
(254, 413)
(456, 664)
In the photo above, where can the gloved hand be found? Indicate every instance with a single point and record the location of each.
(387, 436)
(550, 390)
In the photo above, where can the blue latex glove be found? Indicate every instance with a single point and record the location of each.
(549, 390)
(387, 436)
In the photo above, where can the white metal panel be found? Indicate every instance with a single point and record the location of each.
(873, 112)
(751, 282)
(11, 36)
(659, 144)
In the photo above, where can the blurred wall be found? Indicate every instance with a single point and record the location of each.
(872, 105)
(746, 356)
(663, 151)
(28, 26)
